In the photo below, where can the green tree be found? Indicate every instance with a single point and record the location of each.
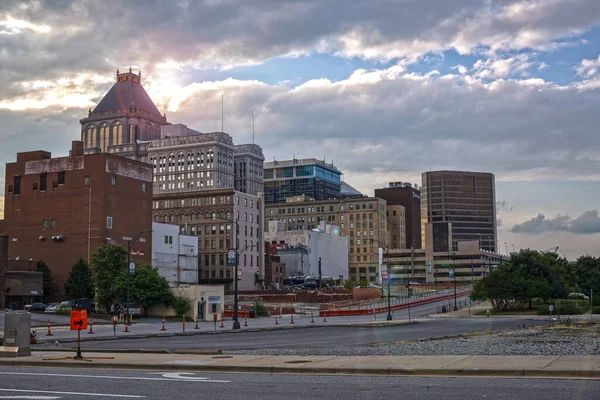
(181, 305)
(146, 287)
(527, 275)
(48, 284)
(349, 284)
(81, 282)
(586, 272)
(109, 263)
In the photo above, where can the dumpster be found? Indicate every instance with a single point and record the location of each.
(252, 313)
(443, 309)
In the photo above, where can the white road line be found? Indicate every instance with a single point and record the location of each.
(73, 393)
(133, 378)
(31, 397)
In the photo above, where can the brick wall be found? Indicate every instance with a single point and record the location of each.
(3, 267)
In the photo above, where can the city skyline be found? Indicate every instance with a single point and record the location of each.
(507, 88)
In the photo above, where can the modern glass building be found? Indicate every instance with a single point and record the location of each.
(310, 177)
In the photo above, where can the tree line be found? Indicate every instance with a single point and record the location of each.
(530, 276)
(105, 280)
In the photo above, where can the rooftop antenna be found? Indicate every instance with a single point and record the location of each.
(222, 113)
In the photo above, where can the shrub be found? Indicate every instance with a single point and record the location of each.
(181, 305)
(260, 309)
(596, 310)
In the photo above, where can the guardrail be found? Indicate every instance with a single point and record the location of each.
(371, 311)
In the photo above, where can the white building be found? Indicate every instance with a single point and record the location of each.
(174, 255)
(300, 250)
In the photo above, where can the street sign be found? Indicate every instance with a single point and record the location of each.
(231, 258)
(214, 299)
(78, 320)
(239, 274)
(550, 308)
(132, 268)
(451, 273)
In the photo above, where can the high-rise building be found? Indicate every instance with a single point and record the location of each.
(213, 216)
(59, 210)
(309, 177)
(466, 200)
(396, 223)
(358, 219)
(408, 196)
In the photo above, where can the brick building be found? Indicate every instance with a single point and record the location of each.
(408, 196)
(58, 210)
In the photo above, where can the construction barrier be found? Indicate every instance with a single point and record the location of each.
(163, 325)
(91, 331)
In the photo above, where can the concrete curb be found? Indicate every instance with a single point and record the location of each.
(558, 374)
(204, 352)
(218, 332)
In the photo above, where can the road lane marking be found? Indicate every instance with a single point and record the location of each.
(30, 397)
(127, 396)
(133, 378)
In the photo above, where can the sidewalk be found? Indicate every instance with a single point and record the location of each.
(514, 366)
(142, 330)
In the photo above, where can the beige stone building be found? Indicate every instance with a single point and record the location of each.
(396, 221)
(363, 220)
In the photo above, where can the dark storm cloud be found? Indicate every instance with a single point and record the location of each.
(586, 223)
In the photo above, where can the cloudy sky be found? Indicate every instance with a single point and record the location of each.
(386, 89)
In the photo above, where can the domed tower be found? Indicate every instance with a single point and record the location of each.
(123, 120)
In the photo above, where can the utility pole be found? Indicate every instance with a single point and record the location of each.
(592, 304)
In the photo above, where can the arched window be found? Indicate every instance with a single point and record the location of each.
(88, 137)
(94, 137)
(117, 134)
(132, 133)
(104, 137)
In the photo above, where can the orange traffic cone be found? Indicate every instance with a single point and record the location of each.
(312, 319)
(324, 319)
(91, 332)
(276, 321)
(49, 331)
(246, 321)
(163, 325)
(126, 328)
(196, 324)
(222, 324)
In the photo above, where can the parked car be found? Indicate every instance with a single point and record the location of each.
(51, 308)
(36, 307)
(83, 304)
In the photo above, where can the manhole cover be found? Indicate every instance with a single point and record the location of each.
(297, 361)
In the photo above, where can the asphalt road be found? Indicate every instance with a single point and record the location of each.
(314, 337)
(59, 383)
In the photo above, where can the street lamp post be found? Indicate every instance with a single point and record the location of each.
(454, 276)
(131, 271)
(236, 322)
(385, 248)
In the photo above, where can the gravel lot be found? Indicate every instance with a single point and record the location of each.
(556, 340)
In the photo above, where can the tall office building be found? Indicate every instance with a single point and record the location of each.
(309, 177)
(408, 196)
(466, 200)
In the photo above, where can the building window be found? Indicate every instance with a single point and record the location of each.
(17, 184)
(113, 180)
(109, 223)
(53, 223)
(43, 182)
(61, 178)
(87, 180)
(45, 224)
(144, 187)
